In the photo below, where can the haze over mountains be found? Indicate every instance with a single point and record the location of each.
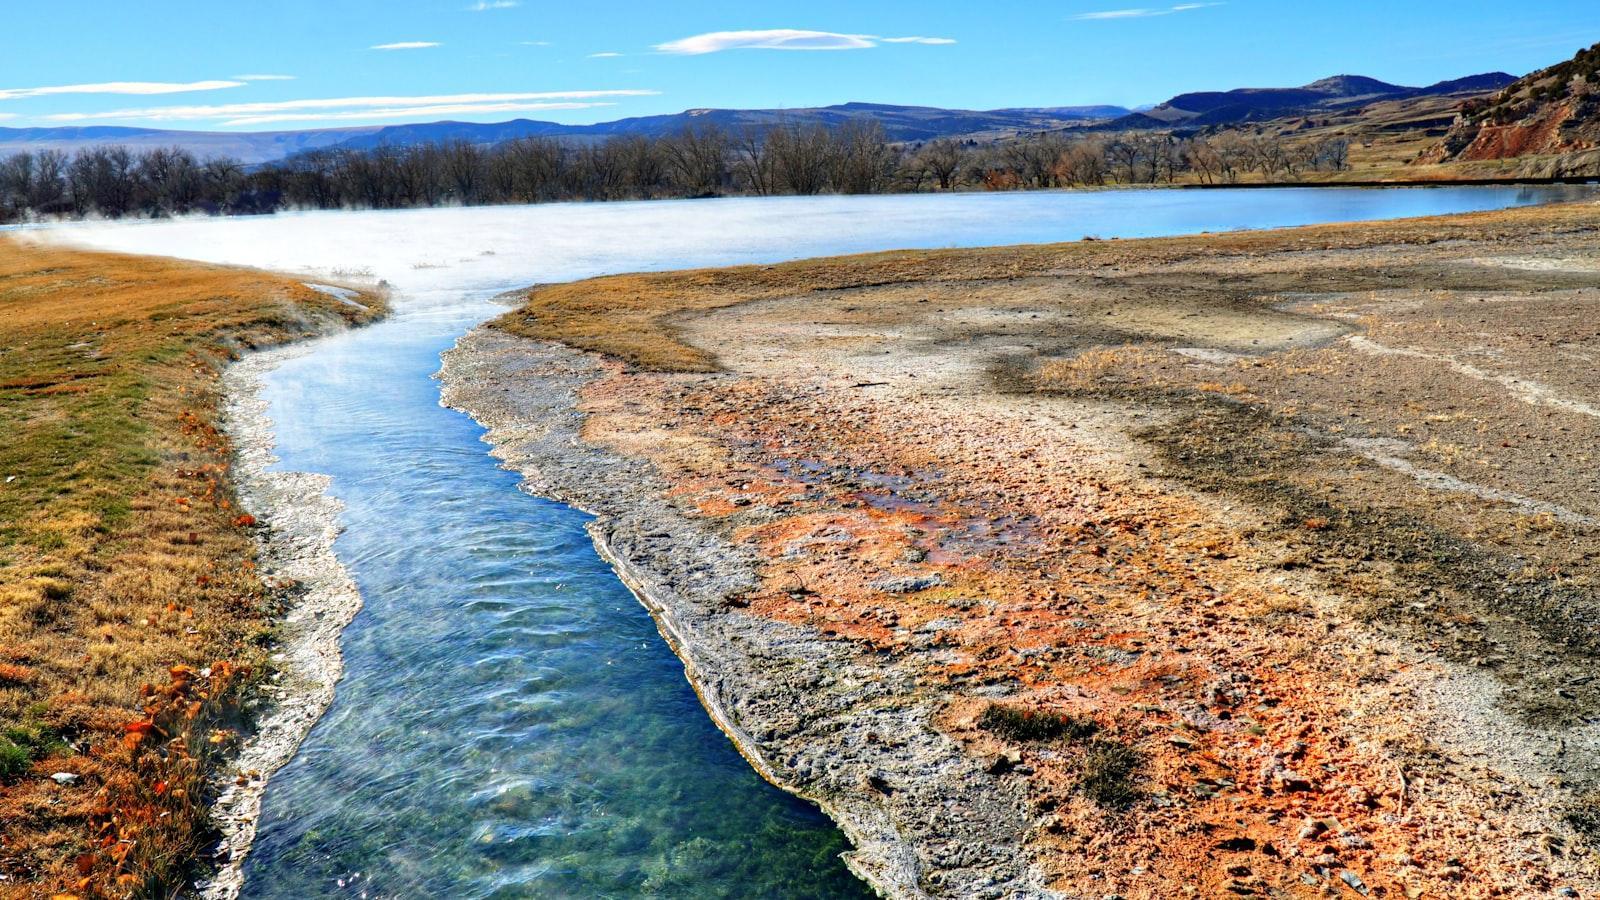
(900, 123)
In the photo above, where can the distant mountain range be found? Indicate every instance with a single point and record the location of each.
(900, 123)
(249, 147)
(1216, 108)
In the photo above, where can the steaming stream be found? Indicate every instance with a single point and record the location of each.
(510, 723)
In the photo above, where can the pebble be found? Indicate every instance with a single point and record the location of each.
(908, 584)
(64, 778)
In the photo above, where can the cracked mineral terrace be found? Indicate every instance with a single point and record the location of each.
(1116, 568)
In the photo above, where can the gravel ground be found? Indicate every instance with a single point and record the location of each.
(814, 716)
(300, 524)
(1242, 565)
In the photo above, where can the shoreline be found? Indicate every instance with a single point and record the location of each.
(301, 523)
(1064, 479)
(744, 668)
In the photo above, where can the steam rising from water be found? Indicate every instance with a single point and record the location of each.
(510, 723)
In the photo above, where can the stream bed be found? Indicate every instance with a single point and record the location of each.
(510, 723)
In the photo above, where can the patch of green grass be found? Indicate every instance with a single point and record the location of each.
(14, 759)
(1023, 725)
(20, 745)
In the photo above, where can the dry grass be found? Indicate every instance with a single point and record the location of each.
(130, 611)
(635, 318)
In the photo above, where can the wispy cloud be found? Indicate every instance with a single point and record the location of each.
(264, 77)
(1141, 13)
(534, 43)
(357, 108)
(784, 39)
(606, 55)
(486, 5)
(119, 87)
(405, 45)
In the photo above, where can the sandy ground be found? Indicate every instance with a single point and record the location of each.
(1288, 539)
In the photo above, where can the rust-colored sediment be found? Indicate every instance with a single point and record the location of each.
(1276, 513)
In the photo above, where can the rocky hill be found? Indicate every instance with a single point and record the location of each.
(1551, 118)
(1340, 92)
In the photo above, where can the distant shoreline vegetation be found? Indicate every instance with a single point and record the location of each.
(115, 182)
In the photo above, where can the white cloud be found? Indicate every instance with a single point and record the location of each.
(606, 55)
(348, 108)
(486, 5)
(264, 77)
(534, 43)
(119, 87)
(8, 115)
(784, 39)
(405, 45)
(1142, 13)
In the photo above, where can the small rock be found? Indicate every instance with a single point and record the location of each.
(1310, 829)
(1290, 780)
(1005, 762)
(1354, 880)
(908, 584)
(64, 778)
(1354, 842)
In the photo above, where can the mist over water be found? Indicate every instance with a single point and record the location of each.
(510, 723)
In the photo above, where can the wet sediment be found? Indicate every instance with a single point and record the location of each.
(1257, 565)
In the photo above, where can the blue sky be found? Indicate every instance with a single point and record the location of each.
(199, 64)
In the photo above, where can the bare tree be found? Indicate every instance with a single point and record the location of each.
(698, 159)
(1127, 157)
(801, 157)
(942, 160)
(1084, 162)
(463, 170)
(862, 162)
(754, 162)
(1202, 160)
(102, 181)
(643, 167)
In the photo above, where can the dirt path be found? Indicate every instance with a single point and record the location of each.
(1246, 565)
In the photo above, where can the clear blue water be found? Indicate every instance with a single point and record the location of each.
(510, 723)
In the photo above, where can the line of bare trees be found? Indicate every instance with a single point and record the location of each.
(114, 182)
